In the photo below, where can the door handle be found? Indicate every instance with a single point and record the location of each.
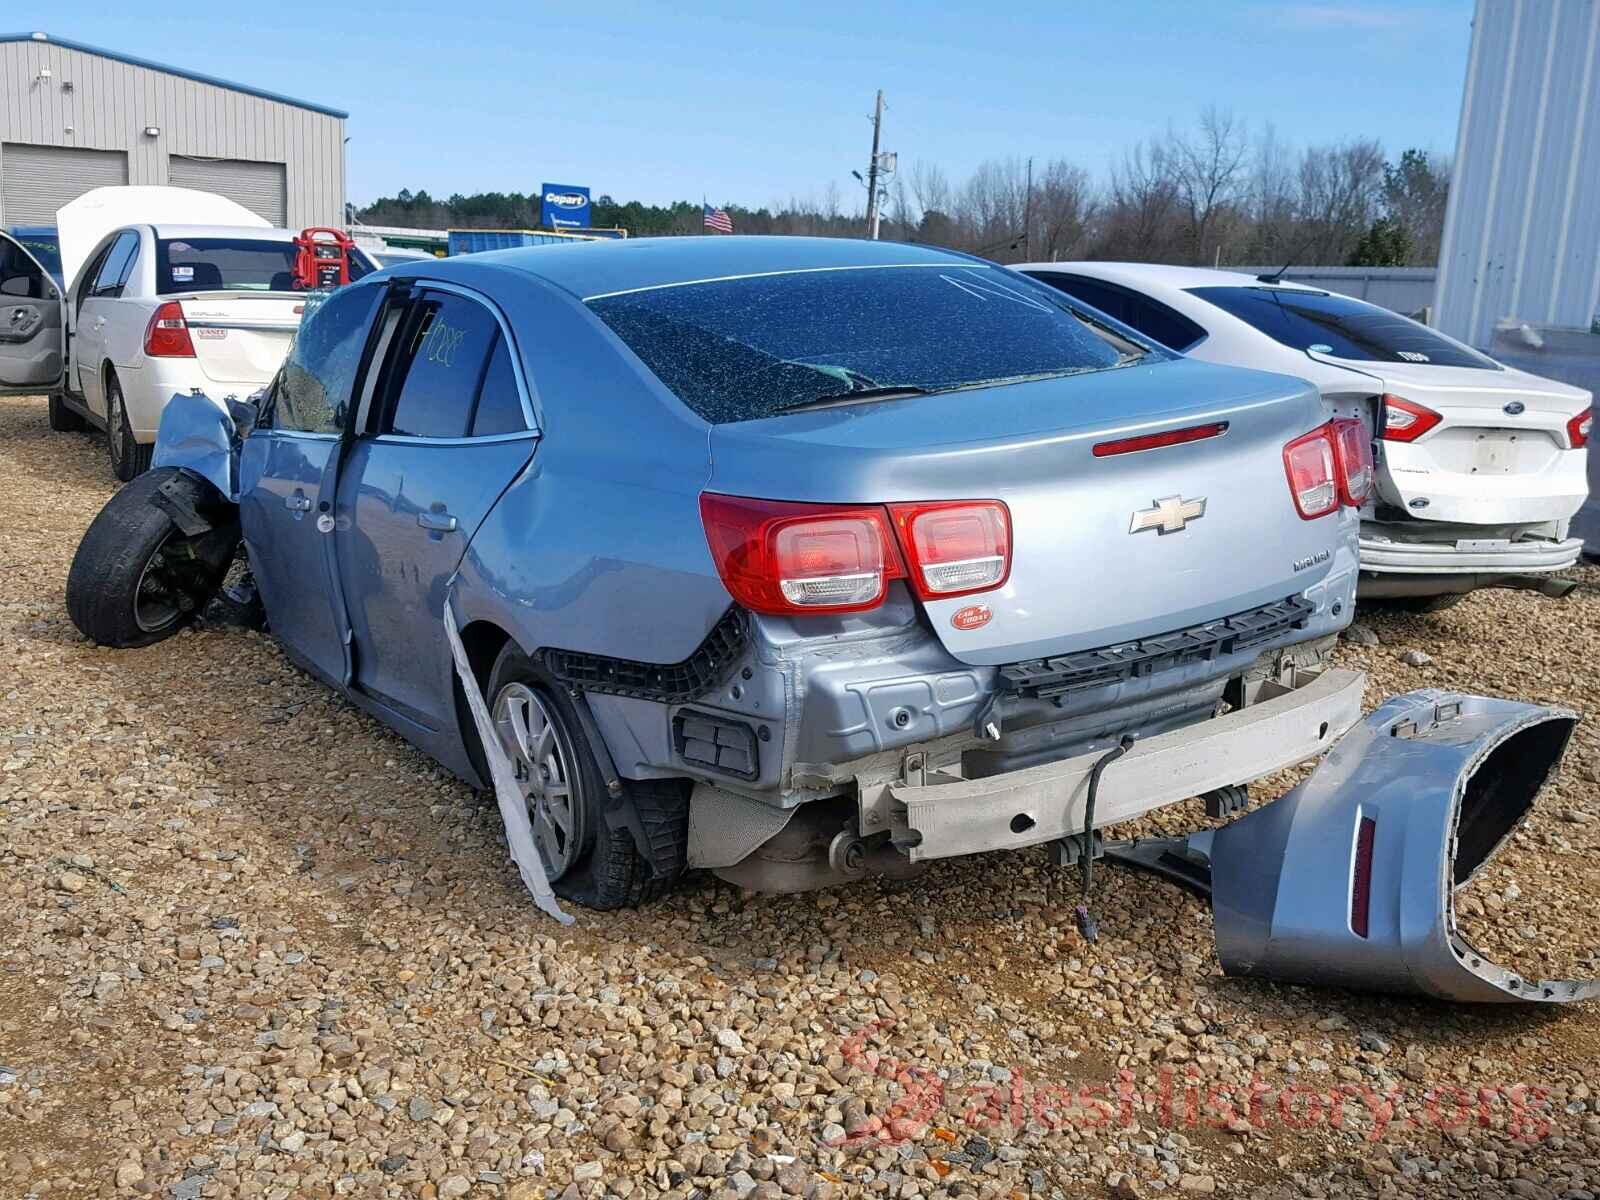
(442, 521)
(299, 502)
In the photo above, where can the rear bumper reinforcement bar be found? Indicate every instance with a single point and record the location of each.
(1350, 879)
(947, 816)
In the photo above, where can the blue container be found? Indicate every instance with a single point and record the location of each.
(472, 241)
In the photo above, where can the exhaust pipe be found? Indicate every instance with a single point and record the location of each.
(1350, 878)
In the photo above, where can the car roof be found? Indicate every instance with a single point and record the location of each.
(1161, 275)
(254, 233)
(602, 268)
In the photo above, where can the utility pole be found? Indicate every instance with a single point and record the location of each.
(1027, 217)
(872, 170)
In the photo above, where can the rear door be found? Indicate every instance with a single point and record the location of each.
(450, 427)
(32, 323)
(288, 473)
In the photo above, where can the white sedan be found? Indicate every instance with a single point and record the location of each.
(151, 310)
(1480, 467)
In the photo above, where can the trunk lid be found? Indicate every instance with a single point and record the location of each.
(1499, 455)
(241, 338)
(1079, 578)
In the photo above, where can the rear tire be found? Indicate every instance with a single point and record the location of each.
(599, 865)
(62, 418)
(136, 578)
(129, 459)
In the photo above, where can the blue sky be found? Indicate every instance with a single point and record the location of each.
(755, 103)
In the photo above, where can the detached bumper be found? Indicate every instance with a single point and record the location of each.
(944, 816)
(1468, 556)
(1350, 879)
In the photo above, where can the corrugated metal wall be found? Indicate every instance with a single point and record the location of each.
(1522, 230)
(101, 103)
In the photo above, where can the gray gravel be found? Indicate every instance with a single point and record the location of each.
(253, 945)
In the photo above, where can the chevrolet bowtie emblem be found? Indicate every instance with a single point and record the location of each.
(1170, 514)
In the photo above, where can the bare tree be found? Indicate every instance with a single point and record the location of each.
(1141, 219)
(1208, 167)
(1340, 190)
(1062, 207)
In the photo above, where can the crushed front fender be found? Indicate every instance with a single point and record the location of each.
(1350, 879)
(202, 436)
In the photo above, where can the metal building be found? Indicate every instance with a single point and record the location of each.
(1522, 227)
(75, 117)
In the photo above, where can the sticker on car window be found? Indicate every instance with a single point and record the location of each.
(179, 247)
(1320, 347)
(1412, 355)
(182, 274)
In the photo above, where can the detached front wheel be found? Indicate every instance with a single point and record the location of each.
(137, 577)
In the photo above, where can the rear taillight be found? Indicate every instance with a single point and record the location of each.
(1579, 428)
(167, 335)
(1352, 453)
(956, 547)
(780, 557)
(1402, 421)
(1308, 460)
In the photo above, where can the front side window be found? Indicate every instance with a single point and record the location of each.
(314, 388)
(1339, 326)
(447, 344)
(230, 264)
(754, 347)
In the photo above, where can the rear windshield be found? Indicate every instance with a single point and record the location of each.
(230, 265)
(742, 349)
(1339, 326)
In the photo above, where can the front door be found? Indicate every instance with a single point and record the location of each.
(32, 323)
(448, 432)
(99, 297)
(288, 475)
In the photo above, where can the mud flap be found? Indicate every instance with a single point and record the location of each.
(513, 808)
(1350, 879)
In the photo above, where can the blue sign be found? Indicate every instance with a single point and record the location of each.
(563, 207)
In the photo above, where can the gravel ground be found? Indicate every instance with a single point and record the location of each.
(251, 944)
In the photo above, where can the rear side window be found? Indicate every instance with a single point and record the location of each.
(499, 402)
(1150, 317)
(232, 264)
(434, 380)
(116, 266)
(314, 387)
(752, 347)
(1339, 326)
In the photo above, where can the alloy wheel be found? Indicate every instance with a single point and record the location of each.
(542, 760)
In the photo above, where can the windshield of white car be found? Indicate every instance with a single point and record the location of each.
(753, 347)
(231, 264)
(1339, 326)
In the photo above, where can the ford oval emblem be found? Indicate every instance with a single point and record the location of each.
(1515, 408)
(973, 616)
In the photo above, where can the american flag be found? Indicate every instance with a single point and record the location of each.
(718, 219)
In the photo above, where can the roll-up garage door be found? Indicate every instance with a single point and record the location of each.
(37, 180)
(259, 186)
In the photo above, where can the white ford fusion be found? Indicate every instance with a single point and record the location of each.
(1480, 467)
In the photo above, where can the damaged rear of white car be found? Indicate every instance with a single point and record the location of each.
(1480, 466)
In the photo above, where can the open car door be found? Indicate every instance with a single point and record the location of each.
(32, 323)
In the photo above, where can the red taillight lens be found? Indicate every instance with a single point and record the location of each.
(780, 557)
(1402, 421)
(1152, 441)
(167, 335)
(1579, 428)
(1352, 451)
(1308, 460)
(955, 548)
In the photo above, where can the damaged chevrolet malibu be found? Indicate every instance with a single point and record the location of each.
(798, 560)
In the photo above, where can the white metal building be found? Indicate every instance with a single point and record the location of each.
(1522, 228)
(75, 117)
